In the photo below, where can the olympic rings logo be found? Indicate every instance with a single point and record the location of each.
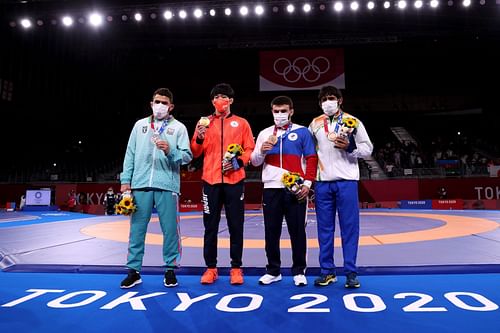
(301, 68)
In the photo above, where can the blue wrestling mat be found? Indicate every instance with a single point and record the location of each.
(51, 302)
(17, 219)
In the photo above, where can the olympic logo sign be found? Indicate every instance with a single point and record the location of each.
(301, 68)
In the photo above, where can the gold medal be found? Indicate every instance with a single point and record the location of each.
(331, 136)
(204, 121)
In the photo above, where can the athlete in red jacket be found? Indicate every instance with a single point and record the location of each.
(223, 182)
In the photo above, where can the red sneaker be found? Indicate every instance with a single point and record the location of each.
(210, 276)
(236, 276)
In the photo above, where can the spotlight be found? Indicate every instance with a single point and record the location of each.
(275, 9)
(198, 13)
(168, 15)
(290, 8)
(402, 4)
(434, 3)
(212, 12)
(138, 17)
(25, 23)
(124, 18)
(227, 11)
(39, 23)
(370, 5)
(354, 6)
(338, 6)
(466, 3)
(306, 8)
(243, 10)
(109, 18)
(259, 10)
(322, 7)
(153, 16)
(67, 21)
(182, 14)
(95, 19)
(418, 4)
(387, 4)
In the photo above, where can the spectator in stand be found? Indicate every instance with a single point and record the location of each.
(72, 201)
(442, 193)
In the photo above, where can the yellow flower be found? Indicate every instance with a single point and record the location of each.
(290, 178)
(350, 122)
(126, 206)
(235, 149)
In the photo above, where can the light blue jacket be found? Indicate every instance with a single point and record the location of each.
(146, 166)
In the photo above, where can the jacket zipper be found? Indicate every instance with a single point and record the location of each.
(222, 147)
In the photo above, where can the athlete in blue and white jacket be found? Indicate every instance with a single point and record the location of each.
(281, 148)
(341, 139)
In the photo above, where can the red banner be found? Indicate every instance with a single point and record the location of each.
(301, 69)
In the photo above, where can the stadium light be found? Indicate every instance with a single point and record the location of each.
(370, 5)
(95, 19)
(354, 6)
(198, 13)
(138, 17)
(183, 14)
(227, 11)
(168, 15)
(290, 8)
(259, 10)
(338, 6)
(25, 23)
(67, 21)
(243, 10)
(306, 8)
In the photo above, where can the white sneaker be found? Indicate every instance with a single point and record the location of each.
(268, 279)
(300, 280)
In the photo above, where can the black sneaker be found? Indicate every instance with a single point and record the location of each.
(352, 281)
(170, 280)
(325, 279)
(133, 278)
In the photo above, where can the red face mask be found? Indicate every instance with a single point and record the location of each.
(221, 105)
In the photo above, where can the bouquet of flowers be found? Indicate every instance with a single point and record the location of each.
(347, 126)
(292, 181)
(233, 151)
(126, 205)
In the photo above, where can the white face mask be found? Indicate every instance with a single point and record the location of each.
(330, 107)
(160, 111)
(281, 119)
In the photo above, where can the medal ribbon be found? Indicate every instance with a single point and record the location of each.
(163, 125)
(337, 125)
(288, 129)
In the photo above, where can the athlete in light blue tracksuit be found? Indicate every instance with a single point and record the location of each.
(157, 147)
(341, 139)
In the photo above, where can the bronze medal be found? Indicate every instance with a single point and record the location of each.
(273, 139)
(331, 136)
